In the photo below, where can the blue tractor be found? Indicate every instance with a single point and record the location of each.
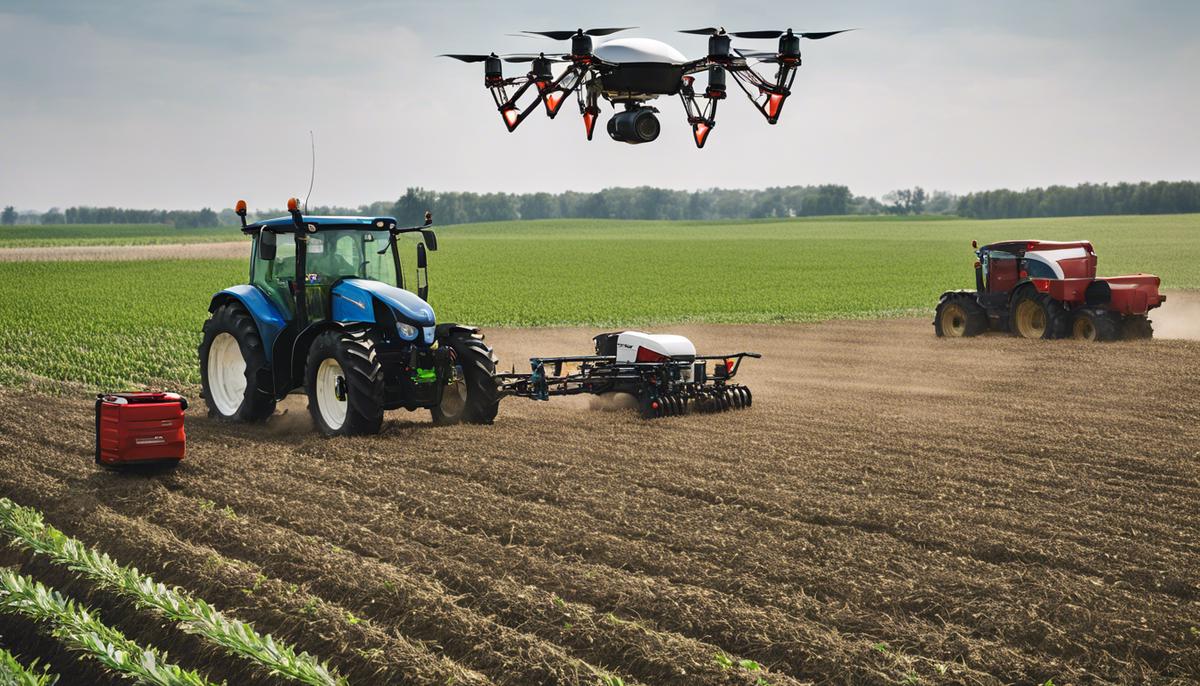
(326, 311)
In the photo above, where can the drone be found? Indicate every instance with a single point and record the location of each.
(631, 72)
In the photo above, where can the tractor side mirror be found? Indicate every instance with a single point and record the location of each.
(430, 238)
(266, 245)
(422, 274)
(974, 244)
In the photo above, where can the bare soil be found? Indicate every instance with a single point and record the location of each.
(125, 253)
(894, 508)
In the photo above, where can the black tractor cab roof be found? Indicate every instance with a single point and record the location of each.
(288, 225)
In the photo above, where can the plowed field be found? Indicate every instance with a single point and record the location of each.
(894, 508)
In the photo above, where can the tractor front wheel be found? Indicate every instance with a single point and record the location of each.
(959, 315)
(344, 382)
(232, 359)
(1037, 315)
(471, 395)
(1093, 325)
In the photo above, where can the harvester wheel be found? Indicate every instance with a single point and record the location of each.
(472, 397)
(1136, 327)
(1093, 325)
(231, 360)
(1037, 315)
(344, 381)
(958, 316)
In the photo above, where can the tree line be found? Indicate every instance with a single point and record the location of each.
(189, 219)
(645, 202)
(1162, 197)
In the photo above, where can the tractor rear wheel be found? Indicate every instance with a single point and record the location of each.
(471, 396)
(344, 382)
(1037, 315)
(958, 316)
(232, 358)
(1095, 325)
(1136, 327)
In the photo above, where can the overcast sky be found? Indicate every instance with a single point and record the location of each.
(188, 104)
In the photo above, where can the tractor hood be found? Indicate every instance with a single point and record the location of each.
(352, 302)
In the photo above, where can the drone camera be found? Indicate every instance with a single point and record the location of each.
(634, 126)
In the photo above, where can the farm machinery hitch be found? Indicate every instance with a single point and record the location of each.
(663, 372)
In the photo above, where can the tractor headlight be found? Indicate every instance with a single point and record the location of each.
(407, 331)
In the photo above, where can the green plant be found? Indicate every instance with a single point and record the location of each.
(13, 673)
(749, 665)
(723, 660)
(83, 631)
(193, 615)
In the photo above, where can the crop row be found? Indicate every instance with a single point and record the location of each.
(28, 531)
(80, 629)
(14, 673)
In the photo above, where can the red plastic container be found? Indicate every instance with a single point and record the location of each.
(139, 427)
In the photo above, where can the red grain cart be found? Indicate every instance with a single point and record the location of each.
(1048, 289)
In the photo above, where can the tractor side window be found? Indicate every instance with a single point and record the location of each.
(376, 266)
(1001, 271)
(272, 276)
(1037, 269)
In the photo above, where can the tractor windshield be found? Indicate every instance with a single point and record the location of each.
(350, 253)
(331, 255)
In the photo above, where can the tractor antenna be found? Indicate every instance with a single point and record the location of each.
(313, 176)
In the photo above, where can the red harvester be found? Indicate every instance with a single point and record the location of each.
(1047, 289)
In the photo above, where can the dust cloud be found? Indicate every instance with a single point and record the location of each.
(1179, 317)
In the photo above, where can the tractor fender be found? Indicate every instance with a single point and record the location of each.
(947, 294)
(443, 331)
(304, 339)
(266, 315)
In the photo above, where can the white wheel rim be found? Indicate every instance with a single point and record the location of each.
(226, 374)
(333, 411)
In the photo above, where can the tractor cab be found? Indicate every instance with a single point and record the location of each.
(336, 248)
(1005, 265)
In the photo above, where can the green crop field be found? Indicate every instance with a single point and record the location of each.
(115, 324)
(110, 234)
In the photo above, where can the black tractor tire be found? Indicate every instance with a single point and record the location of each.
(1136, 327)
(237, 404)
(1037, 315)
(1095, 325)
(959, 315)
(478, 364)
(356, 394)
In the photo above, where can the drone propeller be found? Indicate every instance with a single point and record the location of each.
(564, 35)
(817, 35)
(515, 58)
(760, 56)
(530, 58)
(709, 31)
